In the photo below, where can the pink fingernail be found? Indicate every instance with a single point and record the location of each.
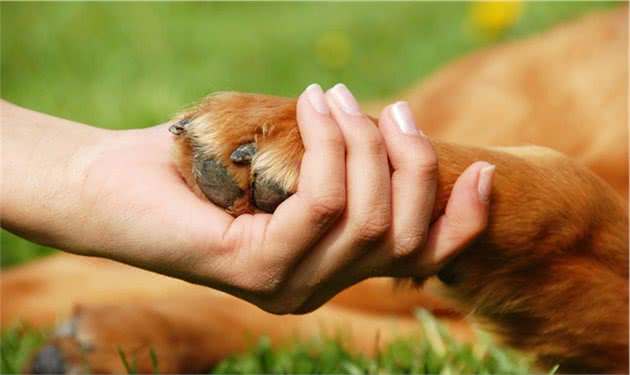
(343, 97)
(403, 118)
(316, 97)
(484, 184)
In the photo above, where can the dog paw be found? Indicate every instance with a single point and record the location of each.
(121, 339)
(66, 352)
(240, 151)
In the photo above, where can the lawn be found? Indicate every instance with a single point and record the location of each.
(131, 65)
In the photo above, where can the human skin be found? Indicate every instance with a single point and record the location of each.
(116, 194)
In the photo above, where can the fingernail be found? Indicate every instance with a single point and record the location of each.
(316, 97)
(402, 116)
(343, 97)
(484, 184)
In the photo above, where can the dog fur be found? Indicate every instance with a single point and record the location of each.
(549, 276)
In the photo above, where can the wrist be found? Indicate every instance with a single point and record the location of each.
(71, 228)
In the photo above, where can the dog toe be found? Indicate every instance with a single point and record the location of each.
(49, 360)
(267, 195)
(216, 182)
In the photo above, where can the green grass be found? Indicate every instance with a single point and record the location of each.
(16, 346)
(415, 354)
(129, 65)
(406, 355)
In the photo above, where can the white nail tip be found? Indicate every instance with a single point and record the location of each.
(343, 97)
(316, 97)
(484, 185)
(403, 118)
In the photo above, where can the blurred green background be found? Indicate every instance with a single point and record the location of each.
(128, 65)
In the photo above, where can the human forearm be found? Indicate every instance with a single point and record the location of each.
(41, 173)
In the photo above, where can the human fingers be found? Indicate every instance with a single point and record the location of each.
(465, 215)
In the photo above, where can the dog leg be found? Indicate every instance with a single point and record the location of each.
(191, 332)
(555, 228)
(190, 327)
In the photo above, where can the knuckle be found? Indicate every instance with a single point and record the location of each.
(409, 244)
(373, 143)
(262, 284)
(373, 227)
(332, 139)
(423, 162)
(327, 207)
(427, 165)
(423, 156)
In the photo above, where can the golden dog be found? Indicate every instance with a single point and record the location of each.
(549, 275)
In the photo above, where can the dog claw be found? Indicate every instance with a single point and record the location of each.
(244, 153)
(179, 127)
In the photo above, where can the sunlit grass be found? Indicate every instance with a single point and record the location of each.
(129, 65)
(416, 354)
(17, 343)
(405, 355)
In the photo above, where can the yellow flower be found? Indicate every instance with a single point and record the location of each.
(494, 17)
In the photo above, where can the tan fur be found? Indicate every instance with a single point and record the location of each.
(549, 215)
(550, 275)
(218, 129)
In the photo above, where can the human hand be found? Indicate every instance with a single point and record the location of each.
(377, 235)
(125, 201)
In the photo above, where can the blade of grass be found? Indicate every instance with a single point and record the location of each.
(154, 361)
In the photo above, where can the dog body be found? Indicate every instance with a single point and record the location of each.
(550, 275)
